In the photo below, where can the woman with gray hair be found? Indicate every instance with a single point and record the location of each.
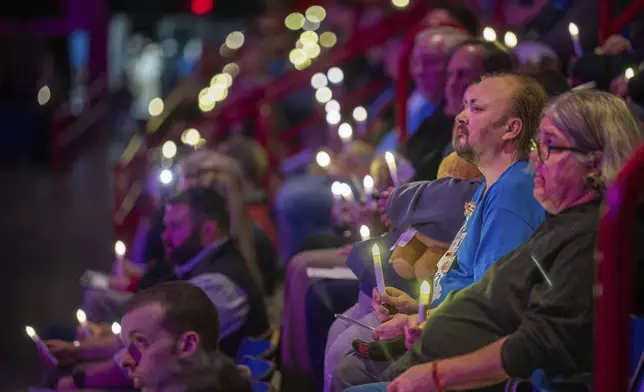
(533, 309)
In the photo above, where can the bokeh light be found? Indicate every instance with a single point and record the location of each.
(294, 21)
(328, 39)
(335, 75)
(169, 149)
(155, 107)
(44, 94)
(235, 40)
(319, 80)
(315, 14)
(323, 95)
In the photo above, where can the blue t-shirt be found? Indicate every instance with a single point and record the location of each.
(504, 218)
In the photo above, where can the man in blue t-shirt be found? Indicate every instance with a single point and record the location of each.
(494, 131)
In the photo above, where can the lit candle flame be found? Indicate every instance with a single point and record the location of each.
(119, 248)
(630, 72)
(489, 34)
(365, 233)
(30, 331)
(425, 288)
(81, 316)
(573, 29)
(323, 159)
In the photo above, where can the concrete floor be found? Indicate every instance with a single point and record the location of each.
(52, 228)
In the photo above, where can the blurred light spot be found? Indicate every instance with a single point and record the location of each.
(155, 107)
(312, 50)
(323, 159)
(629, 73)
(510, 39)
(294, 21)
(225, 51)
(193, 49)
(335, 75)
(44, 95)
(360, 114)
(222, 80)
(315, 14)
(400, 3)
(319, 80)
(165, 176)
(169, 149)
(489, 34)
(332, 106)
(323, 95)
(304, 65)
(231, 69)
(328, 39)
(333, 117)
(235, 40)
(309, 37)
(190, 137)
(297, 56)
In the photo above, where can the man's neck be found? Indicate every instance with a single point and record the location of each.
(493, 168)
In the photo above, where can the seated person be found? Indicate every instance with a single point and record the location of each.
(200, 251)
(304, 203)
(494, 134)
(435, 210)
(467, 63)
(534, 308)
(170, 320)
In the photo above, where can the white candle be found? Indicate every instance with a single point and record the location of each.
(393, 171)
(574, 34)
(120, 249)
(116, 330)
(423, 301)
(365, 233)
(323, 159)
(346, 135)
(82, 321)
(336, 190)
(367, 182)
(360, 118)
(377, 265)
(42, 347)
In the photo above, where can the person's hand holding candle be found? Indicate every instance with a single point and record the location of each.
(413, 330)
(400, 300)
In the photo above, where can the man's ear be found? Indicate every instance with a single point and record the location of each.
(513, 130)
(208, 231)
(187, 344)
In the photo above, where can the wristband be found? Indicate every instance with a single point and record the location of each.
(437, 381)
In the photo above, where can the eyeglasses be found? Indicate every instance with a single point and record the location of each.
(543, 150)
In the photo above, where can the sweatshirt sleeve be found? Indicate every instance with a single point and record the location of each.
(556, 326)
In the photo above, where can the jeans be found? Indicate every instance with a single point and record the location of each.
(342, 335)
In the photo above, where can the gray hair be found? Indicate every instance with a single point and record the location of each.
(598, 121)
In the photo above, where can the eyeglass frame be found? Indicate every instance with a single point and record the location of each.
(536, 146)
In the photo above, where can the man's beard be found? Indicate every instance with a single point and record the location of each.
(186, 251)
(461, 145)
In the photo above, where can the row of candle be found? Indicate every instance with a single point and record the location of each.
(82, 321)
(120, 250)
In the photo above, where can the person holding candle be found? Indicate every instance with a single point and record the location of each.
(435, 209)
(494, 132)
(534, 308)
(170, 320)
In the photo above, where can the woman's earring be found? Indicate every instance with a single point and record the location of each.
(595, 181)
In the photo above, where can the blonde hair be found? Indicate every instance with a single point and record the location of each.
(598, 121)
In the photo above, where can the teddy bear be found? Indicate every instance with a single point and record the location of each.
(416, 253)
